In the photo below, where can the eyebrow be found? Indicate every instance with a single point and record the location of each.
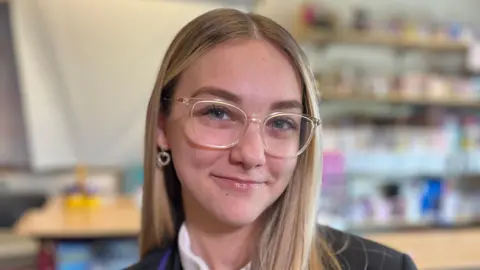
(229, 96)
(218, 92)
(287, 104)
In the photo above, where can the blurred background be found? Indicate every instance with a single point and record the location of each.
(400, 87)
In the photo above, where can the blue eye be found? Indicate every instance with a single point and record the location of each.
(217, 112)
(285, 124)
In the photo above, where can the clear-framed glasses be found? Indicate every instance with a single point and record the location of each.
(218, 124)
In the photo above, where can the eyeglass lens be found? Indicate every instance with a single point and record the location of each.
(218, 124)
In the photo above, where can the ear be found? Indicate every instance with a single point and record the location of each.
(162, 141)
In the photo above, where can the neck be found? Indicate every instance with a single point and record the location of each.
(220, 245)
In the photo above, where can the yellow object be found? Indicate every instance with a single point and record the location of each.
(75, 201)
(467, 144)
(411, 31)
(92, 201)
(82, 201)
(81, 198)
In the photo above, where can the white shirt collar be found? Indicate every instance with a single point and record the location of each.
(189, 260)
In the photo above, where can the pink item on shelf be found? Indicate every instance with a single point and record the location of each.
(333, 168)
(309, 13)
(333, 162)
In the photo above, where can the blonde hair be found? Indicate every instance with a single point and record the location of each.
(289, 240)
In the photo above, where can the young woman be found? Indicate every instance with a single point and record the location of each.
(233, 157)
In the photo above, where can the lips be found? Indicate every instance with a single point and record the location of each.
(238, 185)
(241, 180)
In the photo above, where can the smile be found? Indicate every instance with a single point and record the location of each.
(236, 184)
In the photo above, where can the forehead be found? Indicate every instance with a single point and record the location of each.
(255, 70)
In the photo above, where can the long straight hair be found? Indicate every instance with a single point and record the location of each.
(290, 239)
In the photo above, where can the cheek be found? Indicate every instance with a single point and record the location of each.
(282, 169)
(195, 160)
(191, 162)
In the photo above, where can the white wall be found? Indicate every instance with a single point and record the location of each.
(49, 141)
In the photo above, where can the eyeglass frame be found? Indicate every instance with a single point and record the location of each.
(315, 123)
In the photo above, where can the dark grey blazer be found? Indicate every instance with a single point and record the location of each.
(353, 253)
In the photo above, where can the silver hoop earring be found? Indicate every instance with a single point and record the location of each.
(163, 158)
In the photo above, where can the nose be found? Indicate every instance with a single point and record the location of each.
(249, 151)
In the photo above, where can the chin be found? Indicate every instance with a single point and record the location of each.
(237, 221)
(238, 216)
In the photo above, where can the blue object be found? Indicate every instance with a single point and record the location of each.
(431, 197)
(103, 254)
(73, 256)
(455, 31)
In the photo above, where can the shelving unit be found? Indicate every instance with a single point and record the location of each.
(400, 226)
(330, 94)
(369, 116)
(380, 39)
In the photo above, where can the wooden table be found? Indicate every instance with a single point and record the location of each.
(431, 249)
(437, 249)
(55, 226)
(118, 217)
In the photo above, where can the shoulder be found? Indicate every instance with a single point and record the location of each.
(355, 252)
